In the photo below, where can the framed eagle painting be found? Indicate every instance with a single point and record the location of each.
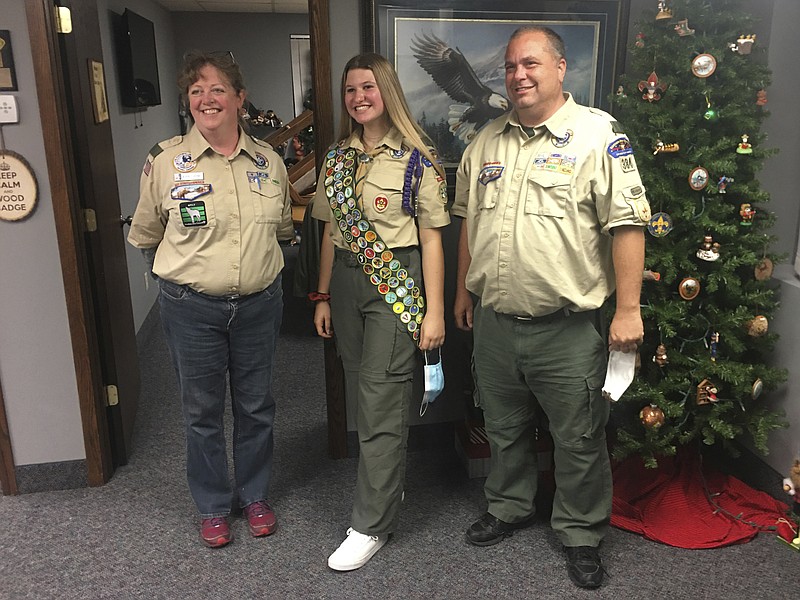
(449, 56)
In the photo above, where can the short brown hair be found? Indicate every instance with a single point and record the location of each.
(224, 62)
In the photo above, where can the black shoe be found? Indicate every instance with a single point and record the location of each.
(584, 566)
(489, 530)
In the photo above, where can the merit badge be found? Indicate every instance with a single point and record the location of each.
(261, 161)
(490, 172)
(189, 191)
(660, 224)
(381, 203)
(193, 214)
(183, 162)
(620, 147)
(560, 142)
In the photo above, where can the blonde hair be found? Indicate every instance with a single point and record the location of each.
(394, 101)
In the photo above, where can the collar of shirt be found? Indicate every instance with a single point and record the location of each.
(392, 140)
(198, 145)
(557, 124)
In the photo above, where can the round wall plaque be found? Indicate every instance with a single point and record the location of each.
(18, 188)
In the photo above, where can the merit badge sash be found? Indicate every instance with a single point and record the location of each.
(386, 273)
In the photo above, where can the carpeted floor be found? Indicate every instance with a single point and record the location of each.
(137, 536)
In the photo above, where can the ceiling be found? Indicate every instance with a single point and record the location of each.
(255, 6)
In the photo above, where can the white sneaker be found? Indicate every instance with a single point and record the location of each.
(355, 550)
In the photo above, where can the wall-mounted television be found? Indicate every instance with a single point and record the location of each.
(136, 61)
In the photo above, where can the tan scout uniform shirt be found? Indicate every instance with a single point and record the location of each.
(539, 210)
(381, 199)
(216, 220)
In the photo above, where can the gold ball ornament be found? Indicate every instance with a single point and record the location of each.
(757, 326)
(652, 417)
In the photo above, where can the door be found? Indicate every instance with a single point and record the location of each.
(92, 249)
(84, 74)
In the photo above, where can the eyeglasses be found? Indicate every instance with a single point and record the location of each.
(224, 56)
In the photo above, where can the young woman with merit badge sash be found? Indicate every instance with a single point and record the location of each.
(382, 196)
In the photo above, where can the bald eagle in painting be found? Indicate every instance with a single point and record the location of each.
(456, 77)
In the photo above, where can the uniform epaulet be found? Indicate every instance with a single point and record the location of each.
(161, 146)
(262, 143)
(617, 127)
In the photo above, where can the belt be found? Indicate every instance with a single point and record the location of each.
(561, 313)
(350, 259)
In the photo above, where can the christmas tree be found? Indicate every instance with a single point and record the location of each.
(692, 104)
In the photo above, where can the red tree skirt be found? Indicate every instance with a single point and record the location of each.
(670, 504)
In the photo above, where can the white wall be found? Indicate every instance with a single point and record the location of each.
(134, 133)
(36, 368)
(779, 179)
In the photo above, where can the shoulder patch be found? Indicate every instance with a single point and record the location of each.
(161, 146)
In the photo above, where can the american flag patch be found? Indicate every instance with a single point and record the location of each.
(147, 166)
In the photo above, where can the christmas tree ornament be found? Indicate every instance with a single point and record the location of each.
(744, 146)
(709, 251)
(698, 178)
(722, 184)
(711, 114)
(761, 97)
(682, 28)
(639, 43)
(758, 387)
(713, 342)
(747, 212)
(660, 357)
(662, 147)
(660, 224)
(689, 288)
(664, 12)
(744, 44)
(706, 392)
(648, 275)
(757, 326)
(651, 417)
(763, 270)
(651, 89)
(704, 65)
(621, 92)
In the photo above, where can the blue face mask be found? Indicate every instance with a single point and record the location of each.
(434, 381)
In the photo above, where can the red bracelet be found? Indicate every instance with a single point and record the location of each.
(319, 297)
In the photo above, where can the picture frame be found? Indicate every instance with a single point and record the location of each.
(99, 98)
(593, 30)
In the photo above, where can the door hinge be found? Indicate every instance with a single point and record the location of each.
(90, 217)
(63, 19)
(112, 395)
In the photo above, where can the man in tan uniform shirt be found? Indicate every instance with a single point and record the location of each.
(554, 213)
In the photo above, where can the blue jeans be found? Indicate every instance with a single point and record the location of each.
(210, 338)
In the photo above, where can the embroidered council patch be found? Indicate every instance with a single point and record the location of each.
(183, 162)
(620, 147)
(560, 142)
(193, 214)
(261, 161)
(490, 173)
(190, 191)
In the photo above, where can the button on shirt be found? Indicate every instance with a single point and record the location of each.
(540, 210)
(215, 220)
(381, 200)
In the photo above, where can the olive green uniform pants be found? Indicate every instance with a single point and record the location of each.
(557, 362)
(379, 357)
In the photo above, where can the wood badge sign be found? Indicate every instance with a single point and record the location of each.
(18, 188)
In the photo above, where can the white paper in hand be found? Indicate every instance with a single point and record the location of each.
(621, 367)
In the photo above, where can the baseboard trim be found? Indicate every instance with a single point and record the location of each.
(48, 477)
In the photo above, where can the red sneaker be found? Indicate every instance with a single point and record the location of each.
(261, 518)
(215, 532)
